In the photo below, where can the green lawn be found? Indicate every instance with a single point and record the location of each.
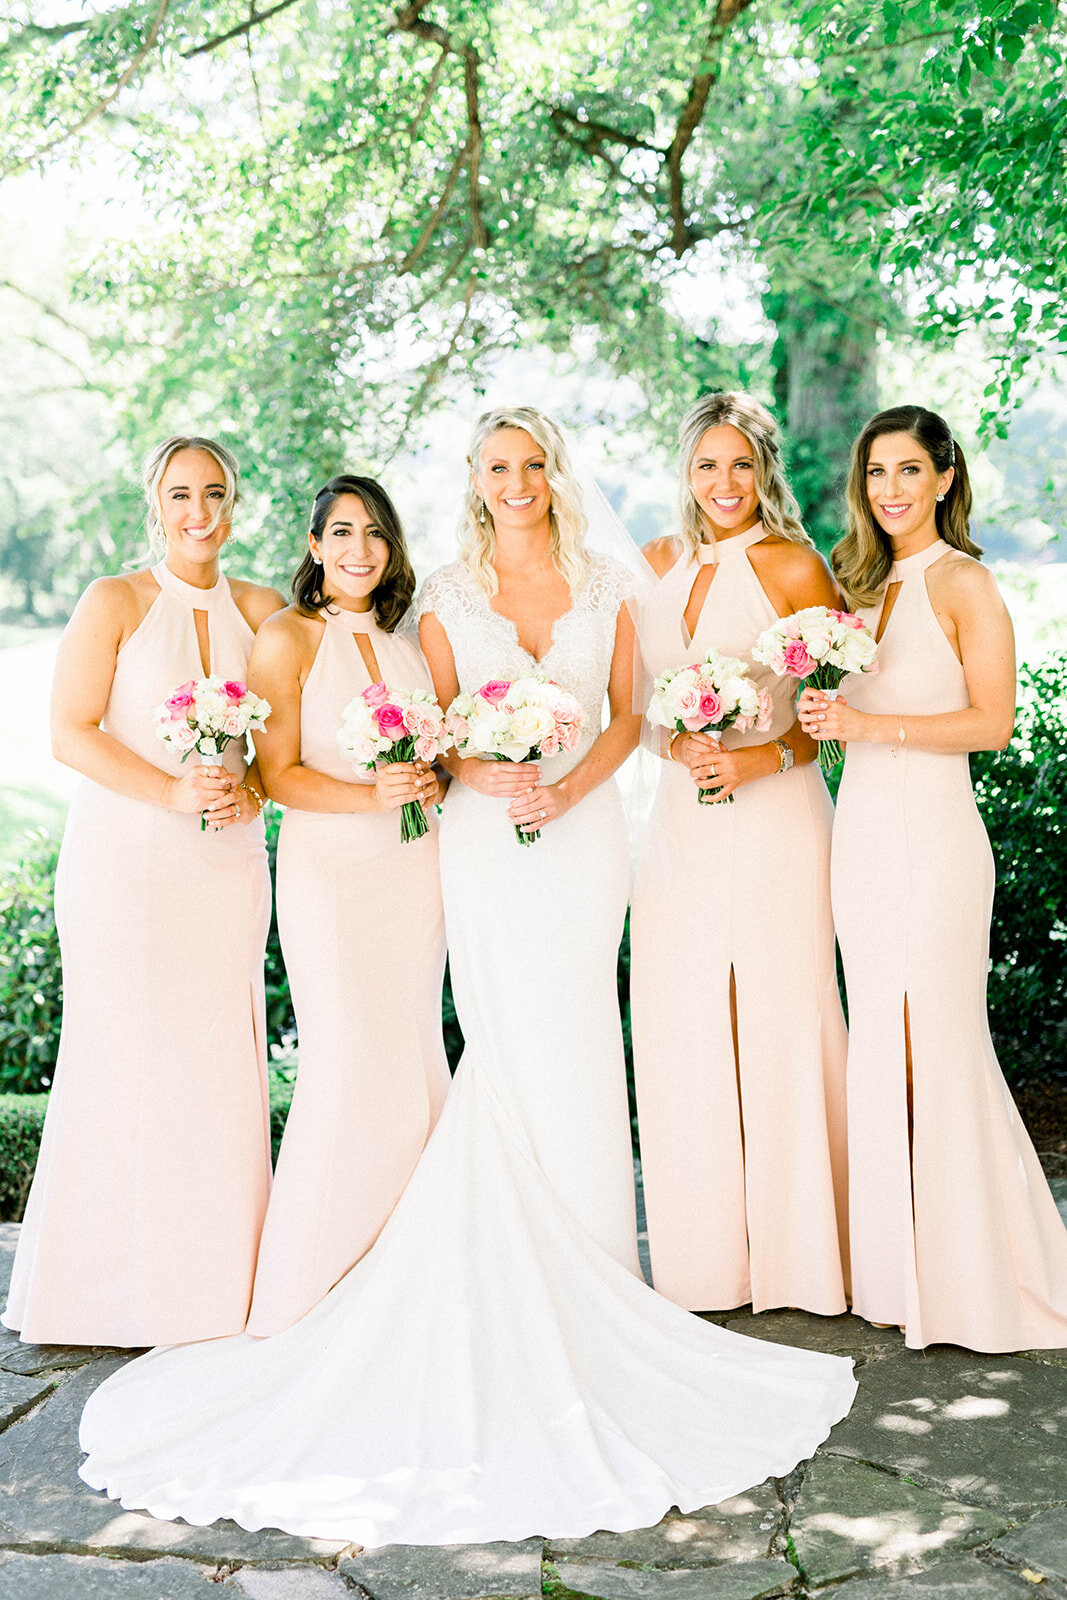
(35, 789)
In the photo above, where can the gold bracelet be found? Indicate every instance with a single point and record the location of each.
(677, 734)
(254, 794)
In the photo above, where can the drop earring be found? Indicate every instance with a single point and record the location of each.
(481, 511)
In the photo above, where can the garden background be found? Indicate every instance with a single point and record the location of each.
(330, 231)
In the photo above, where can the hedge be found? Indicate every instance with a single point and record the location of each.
(1021, 793)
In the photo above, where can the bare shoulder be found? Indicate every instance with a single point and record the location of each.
(661, 554)
(798, 562)
(961, 580)
(287, 634)
(255, 601)
(121, 600)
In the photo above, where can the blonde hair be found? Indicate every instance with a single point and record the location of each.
(155, 465)
(862, 559)
(567, 519)
(779, 510)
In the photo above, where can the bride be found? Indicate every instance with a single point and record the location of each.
(494, 1367)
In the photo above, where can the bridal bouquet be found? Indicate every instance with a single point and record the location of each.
(818, 646)
(712, 695)
(521, 719)
(384, 725)
(205, 714)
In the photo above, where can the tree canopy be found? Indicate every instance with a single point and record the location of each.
(355, 204)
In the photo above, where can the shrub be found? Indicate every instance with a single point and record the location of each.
(31, 984)
(1022, 796)
(21, 1125)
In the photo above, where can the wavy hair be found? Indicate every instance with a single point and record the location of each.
(392, 596)
(567, 518)
(862, 559)
(155, 465)
(779, 510)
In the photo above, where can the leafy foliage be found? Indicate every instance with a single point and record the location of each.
(21, 1125)
(359, 205)
(31, 979)
(1022, 795)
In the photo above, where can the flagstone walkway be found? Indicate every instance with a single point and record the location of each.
(948, 1481)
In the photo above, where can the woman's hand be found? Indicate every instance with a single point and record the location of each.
(434, 790)
(539, 807)
(719, 771)
(206, 789)
(824, 718)
(402, 782)
(507, 780)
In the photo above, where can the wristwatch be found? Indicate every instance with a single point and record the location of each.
(785, 755)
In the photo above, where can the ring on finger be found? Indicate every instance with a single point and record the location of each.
(542, 814)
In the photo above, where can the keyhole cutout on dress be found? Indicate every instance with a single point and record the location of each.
(695, 604)
(203, 641)
(370, 660)
(891, 596)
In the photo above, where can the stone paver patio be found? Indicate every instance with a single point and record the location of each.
(948, 1479)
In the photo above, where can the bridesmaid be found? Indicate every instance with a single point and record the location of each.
(739, 1040)
(144, 1217)
(955, 1236)
(359, 912)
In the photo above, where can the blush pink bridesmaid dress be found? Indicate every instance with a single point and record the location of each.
(743, 1162)
(143, 1221)
(955, 1235)
(362, 932)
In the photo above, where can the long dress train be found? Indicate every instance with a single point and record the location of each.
(494, 1367)
(360, 922)
(144, 1216)
(743, 1161)
(955, 1234)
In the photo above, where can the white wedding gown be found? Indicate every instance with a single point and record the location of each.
(494, 1367)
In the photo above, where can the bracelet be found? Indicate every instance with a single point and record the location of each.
(785, 755)
(254, 794)
(901, 736)
(677, 734)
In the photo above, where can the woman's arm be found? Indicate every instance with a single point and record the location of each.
(609, 752)
(104, 617)
(968, 598)
(281, 659)
(501, 778)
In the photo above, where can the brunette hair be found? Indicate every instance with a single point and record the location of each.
(862, 559)
(393, 595)
(567, 518)
(155, 465)
(779, 510)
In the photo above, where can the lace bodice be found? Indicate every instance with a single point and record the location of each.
(486, 645)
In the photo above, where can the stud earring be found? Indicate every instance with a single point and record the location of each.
(317, 560)
(940, 498)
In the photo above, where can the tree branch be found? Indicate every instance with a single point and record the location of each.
(418, 249)
(409, 20)
(474, 146)
(602, 131)
(249, 23)
(726, 13)
(101, 105)
(43, 305)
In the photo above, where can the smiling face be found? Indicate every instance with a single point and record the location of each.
(902, 487)
(192, 492)
(354, 554)
(722, 477)
(511, 479)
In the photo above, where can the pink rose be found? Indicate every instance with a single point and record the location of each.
(797, 661)
(765, 713)
(376, 694)
(390, 721)
(569, 734)
(184, 737)
(687, 702)
(411, 719)
(233, 690)
(849, 619)
(495, 690)
(694, 723)
(427, 725)
(233, 724)
(710, 706)
(425, 749)
(456, 726)
(550, 745)
(179, 703)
